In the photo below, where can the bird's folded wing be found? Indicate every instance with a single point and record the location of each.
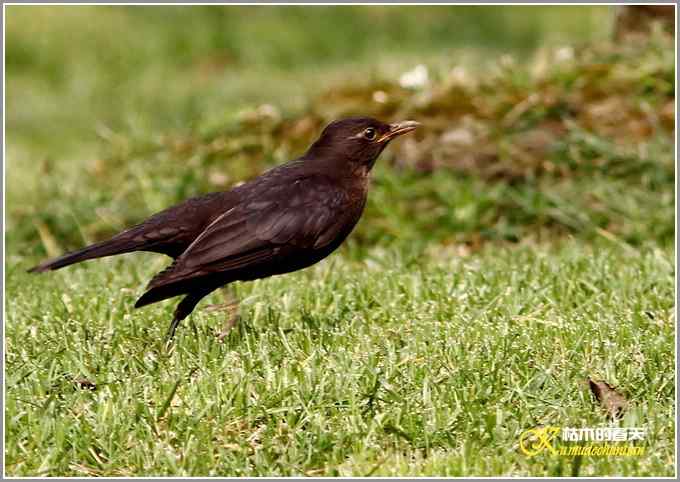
(303, 214)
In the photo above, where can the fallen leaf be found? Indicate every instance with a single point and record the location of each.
(612, 401)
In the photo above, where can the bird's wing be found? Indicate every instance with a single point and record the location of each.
(172, 230)
(301, 214)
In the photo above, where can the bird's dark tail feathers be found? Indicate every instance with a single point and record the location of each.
(97, 250)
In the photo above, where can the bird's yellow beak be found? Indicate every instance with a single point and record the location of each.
(399, 128)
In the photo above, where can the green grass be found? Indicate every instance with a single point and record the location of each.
(392, 365)
(486, 282)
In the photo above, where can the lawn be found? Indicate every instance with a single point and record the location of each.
(518, 245)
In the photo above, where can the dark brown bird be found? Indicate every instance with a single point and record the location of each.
(289, 218)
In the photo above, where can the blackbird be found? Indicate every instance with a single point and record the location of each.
(289, 218)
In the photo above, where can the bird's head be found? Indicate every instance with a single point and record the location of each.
(357, 141)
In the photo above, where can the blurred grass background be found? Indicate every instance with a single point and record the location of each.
(68, 64)
(545, 144)
(147, 106)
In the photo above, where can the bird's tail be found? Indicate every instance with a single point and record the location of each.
(110, 247)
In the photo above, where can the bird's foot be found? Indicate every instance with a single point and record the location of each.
(230, 305)
(228, 325)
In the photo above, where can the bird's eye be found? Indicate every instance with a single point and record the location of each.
(369, 133)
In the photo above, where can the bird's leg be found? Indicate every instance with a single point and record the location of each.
(184, 308)
(231, 304)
